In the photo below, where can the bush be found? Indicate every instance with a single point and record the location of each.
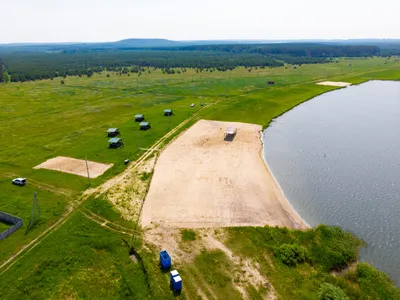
(291, 255)
(328, 291)
(335, 249)
(62, 81)
(364, 270)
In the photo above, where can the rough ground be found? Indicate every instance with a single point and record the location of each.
(128, 193)
(74, 166)
(201, 180)
(246, 272)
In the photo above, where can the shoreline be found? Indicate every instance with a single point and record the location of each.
(297, 221)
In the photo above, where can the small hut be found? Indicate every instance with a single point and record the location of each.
(112, 132)
(230, 133)
(139, 118)
(115, 143)
(144, 125)
(168, 112)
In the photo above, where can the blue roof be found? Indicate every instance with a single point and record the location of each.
(114, 140)
(139, 116)
(112, 129)
(167, 110)
(144, 123)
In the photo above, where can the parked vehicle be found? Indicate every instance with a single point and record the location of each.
(19, 181)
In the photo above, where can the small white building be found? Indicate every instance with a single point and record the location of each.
(230, 132)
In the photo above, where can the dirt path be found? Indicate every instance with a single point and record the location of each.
(103, 223)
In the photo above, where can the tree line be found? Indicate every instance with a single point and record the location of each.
(291, 49)
(34, 66)
(27, 66)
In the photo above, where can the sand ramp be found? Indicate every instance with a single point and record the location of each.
(74, 166)
(201, 180)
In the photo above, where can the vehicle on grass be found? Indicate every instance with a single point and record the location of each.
(19, 181)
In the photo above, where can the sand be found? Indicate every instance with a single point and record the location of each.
(74, 166)
(334, 83)
(200, 180)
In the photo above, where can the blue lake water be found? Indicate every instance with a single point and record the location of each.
(337, 159)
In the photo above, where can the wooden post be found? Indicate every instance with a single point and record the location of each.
(87, 169)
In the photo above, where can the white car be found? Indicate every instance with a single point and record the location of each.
(19, 181)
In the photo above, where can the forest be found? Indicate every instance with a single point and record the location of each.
(30, 63)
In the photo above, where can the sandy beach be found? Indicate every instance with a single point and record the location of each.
(334, 83)
(201, 180)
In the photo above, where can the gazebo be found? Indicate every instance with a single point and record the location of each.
(168, 112)
(139, 118)
(230, 133)
(115, 142)
(144, 125)
(112, 132)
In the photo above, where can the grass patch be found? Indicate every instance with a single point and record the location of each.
(188, 235)
(145, 176)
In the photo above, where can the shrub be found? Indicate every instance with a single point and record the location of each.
(62, 81)
(328, 291)
(145, 176)
(364, 270)
(291, 255)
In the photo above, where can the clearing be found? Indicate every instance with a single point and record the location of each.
(201, 180)
(334, 83)
(74, 166)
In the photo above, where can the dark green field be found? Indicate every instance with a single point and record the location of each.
(79, 258)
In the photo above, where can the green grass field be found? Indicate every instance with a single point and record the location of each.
(41, 120)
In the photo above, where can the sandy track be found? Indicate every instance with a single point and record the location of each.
(200, 180)
(334, 83)
(74, 166)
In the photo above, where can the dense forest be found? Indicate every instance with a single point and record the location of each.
(294, 49)
(30, 63)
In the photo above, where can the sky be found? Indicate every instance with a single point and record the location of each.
(112, 20)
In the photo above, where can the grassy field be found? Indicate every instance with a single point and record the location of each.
(41, 120)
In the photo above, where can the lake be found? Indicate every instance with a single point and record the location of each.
(337, 160)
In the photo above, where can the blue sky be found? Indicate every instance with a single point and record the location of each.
(111, 20)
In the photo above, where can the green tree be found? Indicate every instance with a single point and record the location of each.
(291, 254)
